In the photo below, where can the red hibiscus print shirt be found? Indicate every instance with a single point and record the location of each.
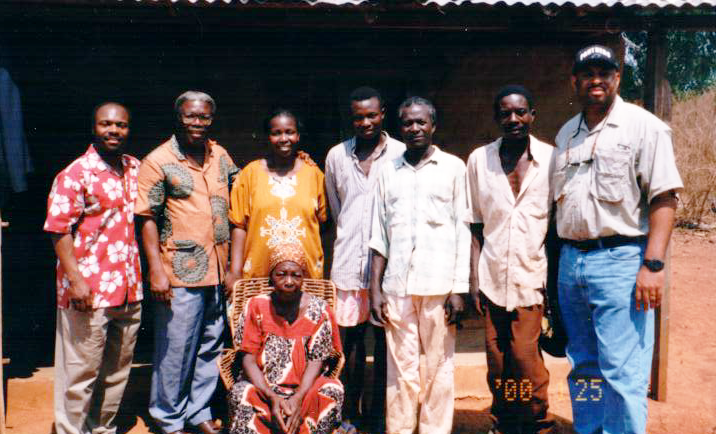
(96, 205)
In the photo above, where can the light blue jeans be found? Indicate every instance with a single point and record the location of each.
(610, 342)
(188, 338)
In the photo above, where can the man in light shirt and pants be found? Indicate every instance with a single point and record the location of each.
(509, 189)
(352, 169)
(421, 250)
(615, 182)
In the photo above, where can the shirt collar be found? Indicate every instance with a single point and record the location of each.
(101, 165)
(614, 118)
(176, 149)
(533, 150)
(434, 158)
(352, 143)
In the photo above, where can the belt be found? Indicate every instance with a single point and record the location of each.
(605, 242)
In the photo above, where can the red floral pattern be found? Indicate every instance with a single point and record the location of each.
(92, 203)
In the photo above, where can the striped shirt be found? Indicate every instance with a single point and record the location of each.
(419, 226)
(350, 195)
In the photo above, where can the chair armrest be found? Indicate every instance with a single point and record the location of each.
(228, 368)
(334, 364)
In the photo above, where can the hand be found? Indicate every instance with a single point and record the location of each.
(159, 285)
(477, 300)
(649, 285)
(378, 307)
(277, 410)
(292, 409)
(230, 278)
(454, 306)
(80, 295)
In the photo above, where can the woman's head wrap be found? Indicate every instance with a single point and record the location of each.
(287, 252)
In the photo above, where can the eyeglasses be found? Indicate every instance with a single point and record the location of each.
(191, 117)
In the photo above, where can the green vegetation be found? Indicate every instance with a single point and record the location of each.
(691, 63)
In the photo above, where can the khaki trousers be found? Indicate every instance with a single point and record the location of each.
(93, 357)
(415, 322)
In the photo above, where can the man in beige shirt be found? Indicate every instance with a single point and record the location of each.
(509, 189)
(615, 182)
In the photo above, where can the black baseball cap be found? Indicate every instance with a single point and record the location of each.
(595, 54)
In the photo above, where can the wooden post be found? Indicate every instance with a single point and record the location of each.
(657, 99)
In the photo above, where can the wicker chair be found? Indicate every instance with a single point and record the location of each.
(244, 289)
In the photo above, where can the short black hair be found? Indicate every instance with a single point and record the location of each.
(106, 103)
(365, 92)
(512, 89)
(282, 112)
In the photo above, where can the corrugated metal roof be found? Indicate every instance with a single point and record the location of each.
(581, 3)
(442, 3)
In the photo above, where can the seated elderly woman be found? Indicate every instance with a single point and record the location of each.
(284, 339)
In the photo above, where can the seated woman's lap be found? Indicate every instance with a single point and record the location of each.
(320, 409)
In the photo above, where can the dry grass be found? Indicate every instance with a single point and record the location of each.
(694, 133)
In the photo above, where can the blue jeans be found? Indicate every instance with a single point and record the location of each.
(610, 342)
(188, 338)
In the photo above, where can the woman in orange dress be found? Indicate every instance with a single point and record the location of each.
(284, 338)
(276, 200)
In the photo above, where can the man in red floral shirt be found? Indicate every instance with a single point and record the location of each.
(90, 214)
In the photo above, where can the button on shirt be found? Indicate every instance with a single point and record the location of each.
(350, 194)
(513, 266)
(633, 162)
(419, 226)
(191, 206)
(96, 205)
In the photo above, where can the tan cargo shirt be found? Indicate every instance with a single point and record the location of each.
(604, 179)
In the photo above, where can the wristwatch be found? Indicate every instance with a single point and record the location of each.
(654, 265)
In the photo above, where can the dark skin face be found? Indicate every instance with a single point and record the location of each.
(111, 129)
(416, 127)
(283, 138)
(195, 119)
(515, 117)
(596, 86)
(287, 278)
(367, 117)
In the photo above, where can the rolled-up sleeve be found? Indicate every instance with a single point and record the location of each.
(152, 191)
(65, 203)
(474, 213)
(462, 235)
(379, 233)
(657, 165)
(331, 188)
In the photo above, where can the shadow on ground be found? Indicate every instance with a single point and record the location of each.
(478, 421)
(135, 403)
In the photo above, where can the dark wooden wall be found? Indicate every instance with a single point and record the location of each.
(65, 66)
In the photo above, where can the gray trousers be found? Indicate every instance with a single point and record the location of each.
(188, 339)
(93, 357)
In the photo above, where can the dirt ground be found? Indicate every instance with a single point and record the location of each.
(690, 407)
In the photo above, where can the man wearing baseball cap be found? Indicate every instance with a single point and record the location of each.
(615, 183)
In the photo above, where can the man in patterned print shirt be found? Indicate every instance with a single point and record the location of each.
(183, 204)
(90, 214)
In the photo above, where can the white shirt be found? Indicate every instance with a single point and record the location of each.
(632, 163)
(512, 267)
(419, 226)
(350, 194)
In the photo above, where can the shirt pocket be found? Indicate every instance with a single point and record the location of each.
(611, 168)
(438, 207)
